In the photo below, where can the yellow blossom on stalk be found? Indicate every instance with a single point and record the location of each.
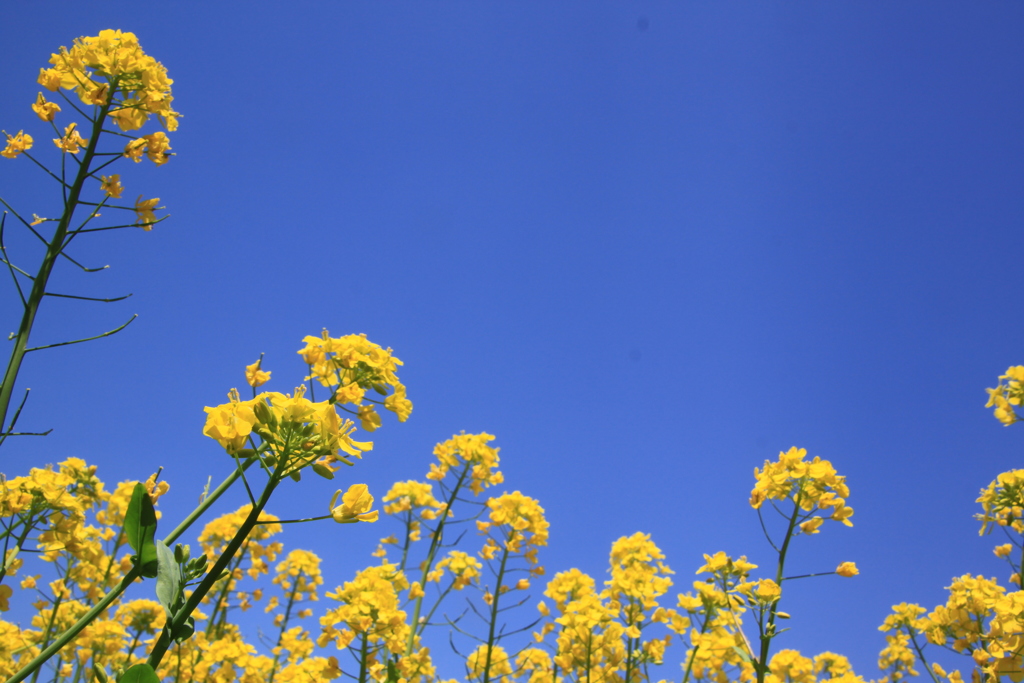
(369, 607)
(398, 403)
(564, 587)
(45, 110)
(144, 211)
(231, 423)
(1003, 550)
(488, 663)
(525, 518)
(811, 525)
(355, 505)
(464, 568)
(338, 362)
(789, 666)
(368, 418)
(300, 571)
(1005, 396)
(1002, 502)
(961, 622)
(255, 375)
(590, 642)
(847, 569)
(71, 141)
(764, 591)
(351, 393)
(722, 563)
(407, 496)
(142, 616)
(471, 450)
(157, 145)
(812, 485)
(638, 576)
(134, 149)
(16, 144)
(111, 185)
(537, 663)
(116, 58)
(904, 615)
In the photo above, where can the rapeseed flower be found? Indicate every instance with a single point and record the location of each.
(16, 144)
(355, 505)
(470, 450)
(45, 110)
(812, 485)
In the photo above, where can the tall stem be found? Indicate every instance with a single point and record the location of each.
(494, 612)
(435, 545)
(53, 251)
(160, 648)
(769, 631)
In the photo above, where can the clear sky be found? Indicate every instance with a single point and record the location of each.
(648, 245)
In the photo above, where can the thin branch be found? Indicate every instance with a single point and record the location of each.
(87, 298)
(79, 341)
(48, 171)
(24, 222)
(87, 270)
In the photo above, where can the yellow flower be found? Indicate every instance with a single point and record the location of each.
(811, 525)
(1003, 550)
(157, 145)
(111, 185)
(369, 418)
(134, 149)
(255, 375)
(45, 110)
(71, 141)
(767, 591)
(355, 505)
(230, 423)
(16, 144)
(114, 57)
(847, 569)
(144, 211)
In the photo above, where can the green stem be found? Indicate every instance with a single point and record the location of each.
(769, 631)
(362, 660)
(53, 250)
(494, 613)
(435, 545)
(284, 626)
(175, 624)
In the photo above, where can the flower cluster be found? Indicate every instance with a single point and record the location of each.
(1004, 397)
(522, 523)
(369, 612)
(352, 365)
(1002, 502)
(810, 485)
(472, 451)
(296, 429)
(412, 496)
(99, 68)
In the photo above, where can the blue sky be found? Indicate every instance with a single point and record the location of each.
(648, 245)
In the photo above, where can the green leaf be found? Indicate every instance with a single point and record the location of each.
(140, 527)
(140, 673)
(168, 578)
